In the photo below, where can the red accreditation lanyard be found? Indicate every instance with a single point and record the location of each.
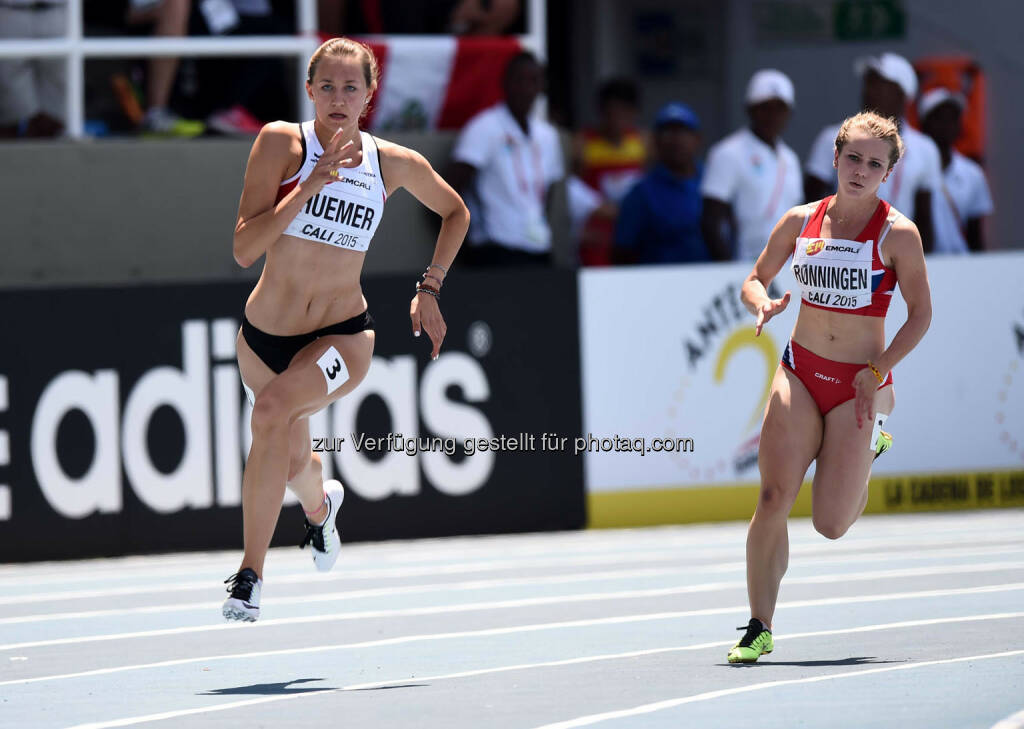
(512, 144)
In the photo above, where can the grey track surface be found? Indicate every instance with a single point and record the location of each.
(908, 621)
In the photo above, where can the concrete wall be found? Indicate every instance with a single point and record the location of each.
(145, 211)
(714, 47)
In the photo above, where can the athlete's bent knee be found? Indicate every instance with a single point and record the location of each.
(829, 527)
(270, 413)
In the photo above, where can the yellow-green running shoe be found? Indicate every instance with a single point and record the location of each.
(756, 642)
(883, 443)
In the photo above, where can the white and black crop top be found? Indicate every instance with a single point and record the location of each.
(344, 213)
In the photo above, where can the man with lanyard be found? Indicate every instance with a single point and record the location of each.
(752, 177)
(889, 84)
(504, 163)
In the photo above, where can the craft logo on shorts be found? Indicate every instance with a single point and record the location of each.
(815, 247)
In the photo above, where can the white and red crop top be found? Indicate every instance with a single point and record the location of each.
(346, 212)
(847, 276)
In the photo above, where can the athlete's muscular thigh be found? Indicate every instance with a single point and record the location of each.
(355, 350)
(844, 464)
(328, 369)
(341, 363)
(790, 438)
(302, 389)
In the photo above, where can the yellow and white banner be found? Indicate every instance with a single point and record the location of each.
(669, 353)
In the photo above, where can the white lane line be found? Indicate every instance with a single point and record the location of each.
(505, 604)
(373, 592)
(1011, 722)
(340, 575)
(560, 579)
(870, 527)
(411, 554)
(671, 703)
(291, 562)
(344, 572)
(488, 632)
(374, 554)
(547, 664)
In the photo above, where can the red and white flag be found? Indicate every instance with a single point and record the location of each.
(437, 82)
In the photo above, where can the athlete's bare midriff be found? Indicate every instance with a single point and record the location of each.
(305, 286)
(840, 337)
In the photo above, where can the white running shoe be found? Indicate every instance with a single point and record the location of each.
(244, 603)
(324, 538)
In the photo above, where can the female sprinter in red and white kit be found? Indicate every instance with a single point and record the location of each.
(833, 390)
(313, 197)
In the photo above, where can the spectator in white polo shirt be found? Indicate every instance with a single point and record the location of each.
(504, 163)
(889, 83)
(751, 177)
(964, 198)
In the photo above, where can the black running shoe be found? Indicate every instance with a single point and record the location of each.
(244, 602)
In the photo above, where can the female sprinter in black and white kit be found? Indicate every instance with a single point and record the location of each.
(833, 389)
(313, 197)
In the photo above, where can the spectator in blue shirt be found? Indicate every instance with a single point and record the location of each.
(659, 220)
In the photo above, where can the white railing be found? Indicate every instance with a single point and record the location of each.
(75, 48)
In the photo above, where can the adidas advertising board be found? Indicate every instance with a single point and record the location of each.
(124, 425)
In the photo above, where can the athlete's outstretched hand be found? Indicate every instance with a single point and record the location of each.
(768, 310)
(426, 315)
(865, 385)
(335, 156)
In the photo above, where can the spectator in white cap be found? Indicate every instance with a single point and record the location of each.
(889, 83)
(752, 177)
(964, 198)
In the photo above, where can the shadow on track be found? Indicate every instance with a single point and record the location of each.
(269, 689)
(851, 661)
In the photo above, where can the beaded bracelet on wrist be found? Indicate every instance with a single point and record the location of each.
(424, 289)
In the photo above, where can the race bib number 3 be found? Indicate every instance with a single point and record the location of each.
(333, 367)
